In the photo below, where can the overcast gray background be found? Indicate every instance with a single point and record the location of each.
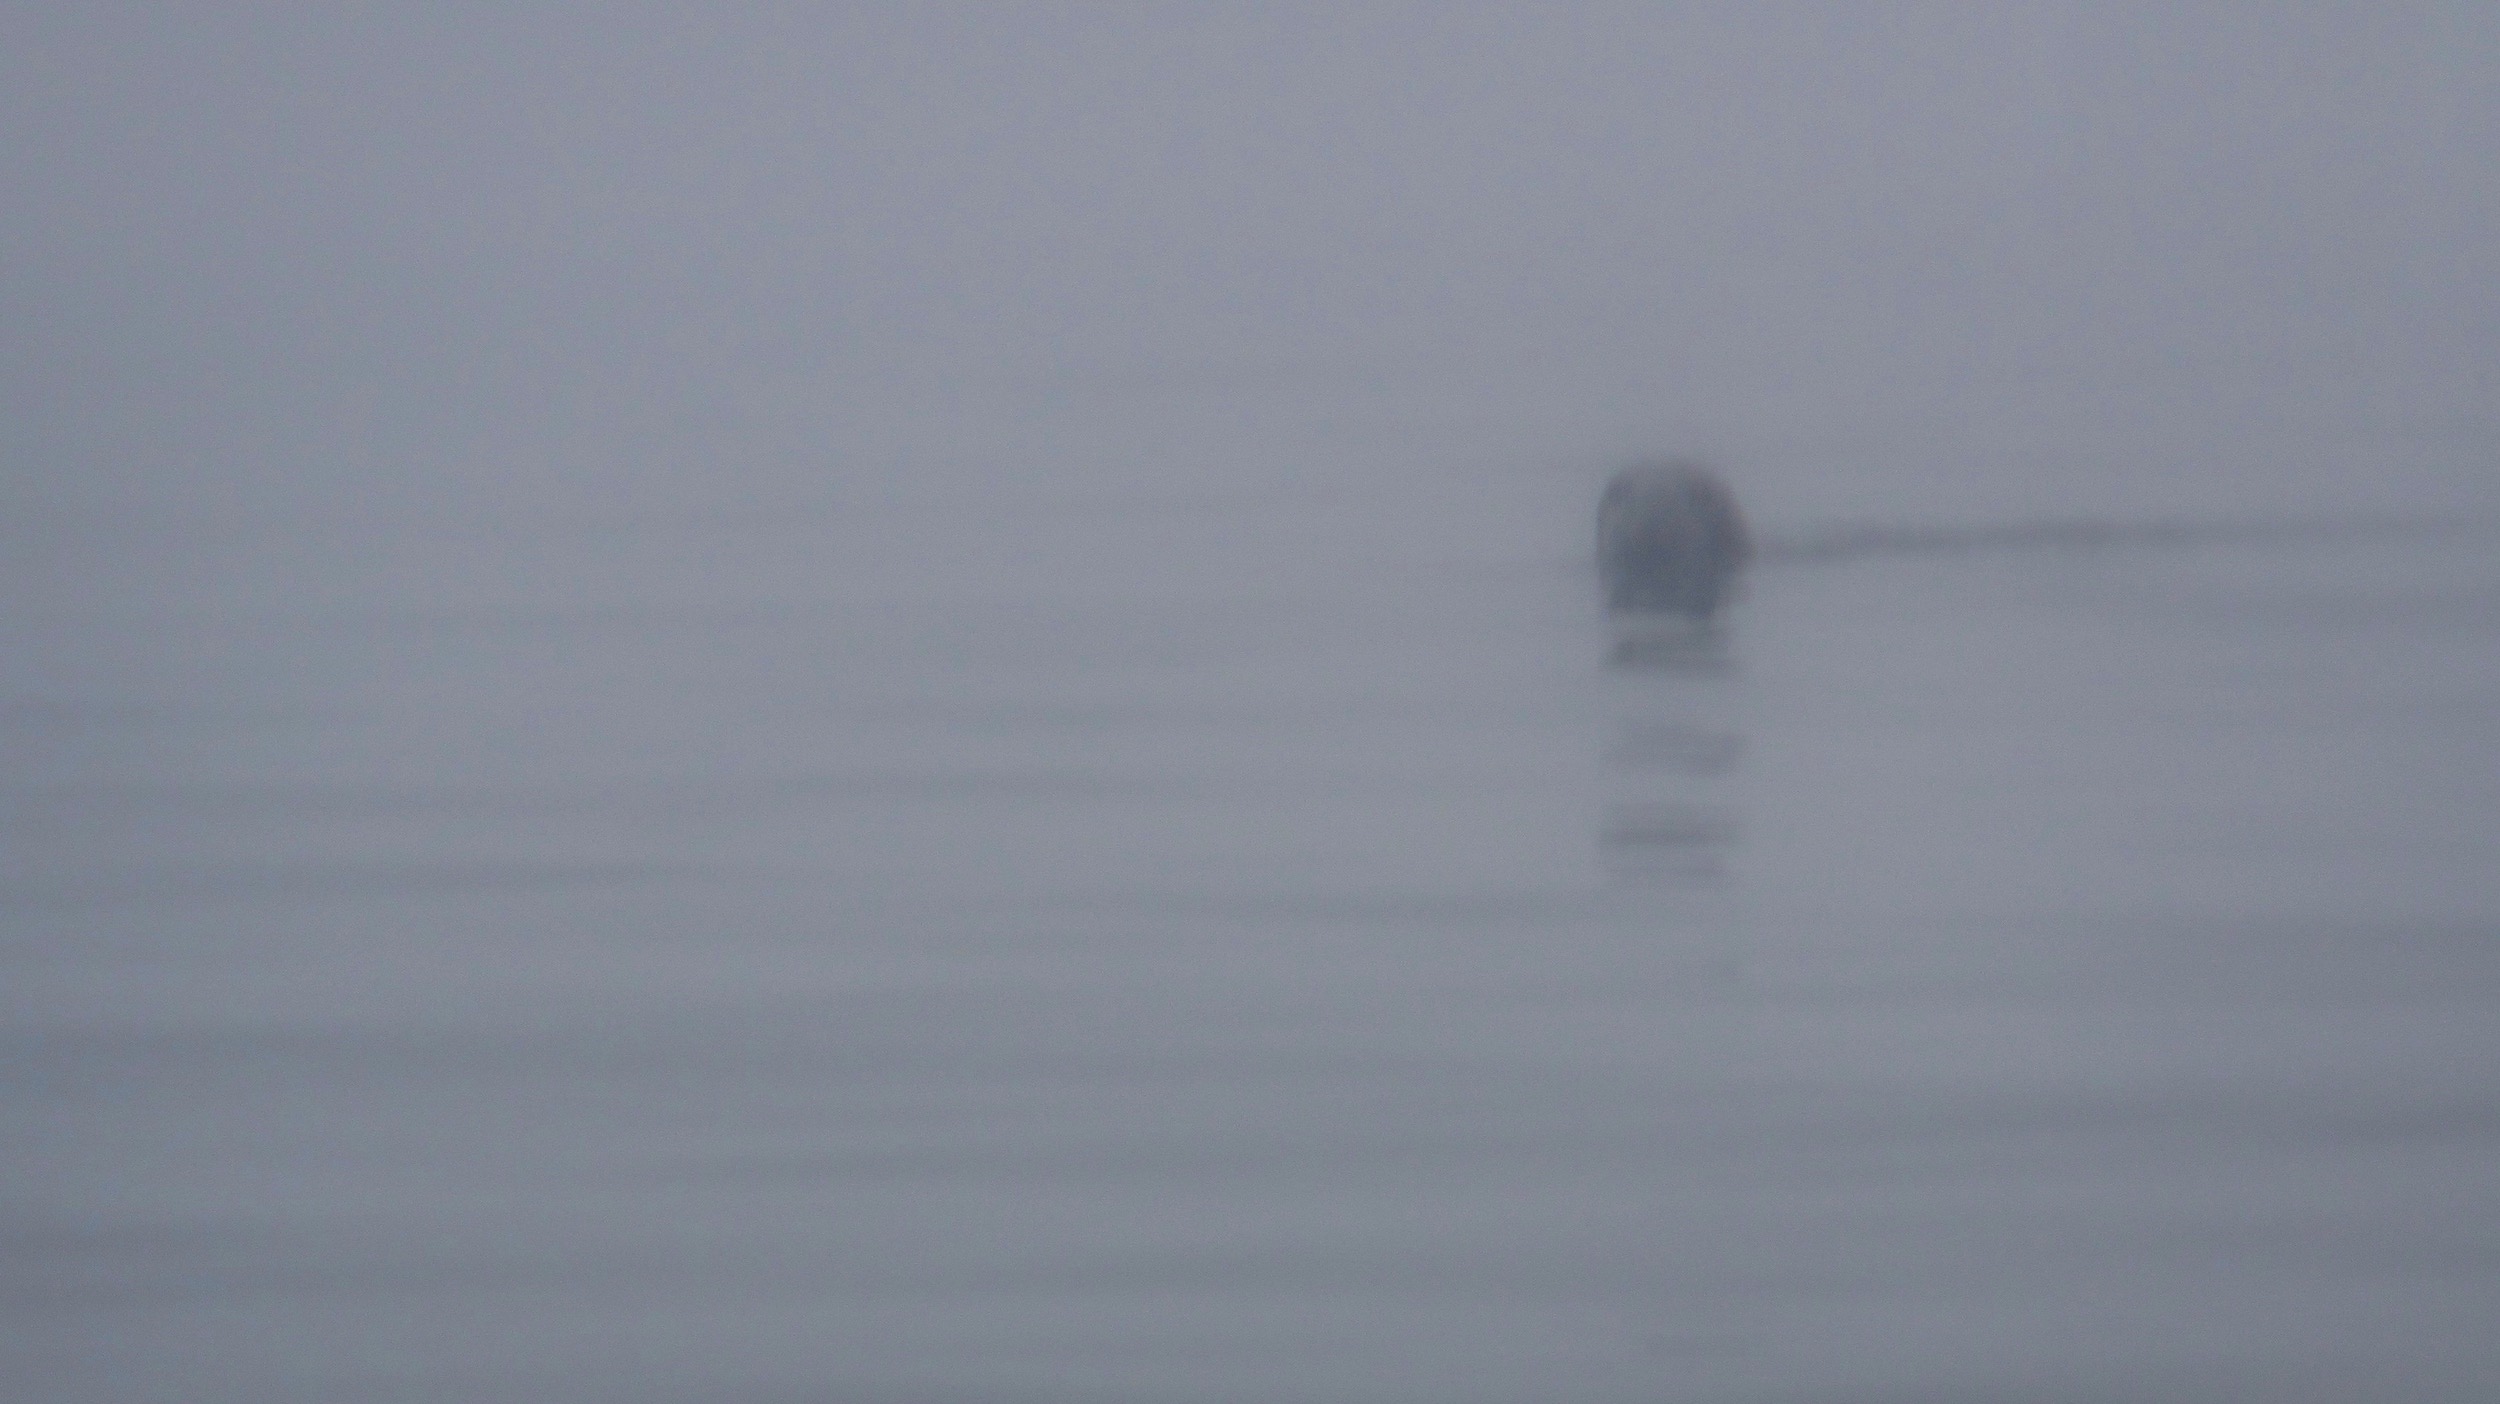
(1891, 257)
(906, 702)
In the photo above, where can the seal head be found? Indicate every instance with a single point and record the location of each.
(1670, 540)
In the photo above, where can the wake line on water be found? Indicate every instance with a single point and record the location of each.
(1855, 541)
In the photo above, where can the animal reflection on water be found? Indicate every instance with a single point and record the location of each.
(1670, 762)
(1672, 755)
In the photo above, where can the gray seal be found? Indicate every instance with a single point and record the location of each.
(1670, 540)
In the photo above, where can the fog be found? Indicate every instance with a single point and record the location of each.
(909, 702)
(2039, 255)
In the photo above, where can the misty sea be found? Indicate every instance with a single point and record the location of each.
(1269, 940)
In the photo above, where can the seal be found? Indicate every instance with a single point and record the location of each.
(1670, 540)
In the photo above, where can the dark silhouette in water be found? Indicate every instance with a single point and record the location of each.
(1669, 540)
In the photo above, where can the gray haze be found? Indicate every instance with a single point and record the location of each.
(2097, 255)
(908, 702)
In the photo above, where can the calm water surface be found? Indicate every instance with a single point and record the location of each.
(1259, 946)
